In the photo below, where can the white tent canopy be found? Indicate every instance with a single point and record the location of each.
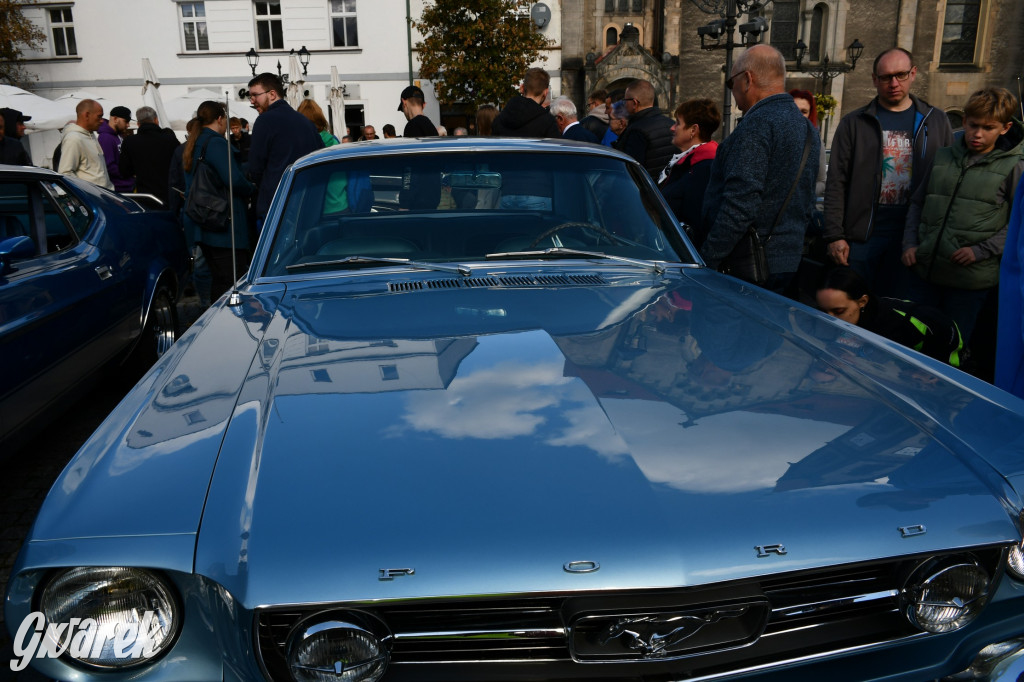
(46, 114)
(181, 110)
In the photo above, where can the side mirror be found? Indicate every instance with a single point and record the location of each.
(15, 248)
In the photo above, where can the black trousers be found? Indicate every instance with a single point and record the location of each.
(219, 259)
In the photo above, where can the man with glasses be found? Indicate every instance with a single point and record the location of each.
(648, 135)
(881, 153)
(280, 136)
(756, 178)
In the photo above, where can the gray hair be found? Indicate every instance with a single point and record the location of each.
(145, 115)
(565, 107)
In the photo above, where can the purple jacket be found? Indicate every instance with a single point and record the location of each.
(110, 143)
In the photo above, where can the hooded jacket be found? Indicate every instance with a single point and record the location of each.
(110, 143)
(81, 156)
(523, 117)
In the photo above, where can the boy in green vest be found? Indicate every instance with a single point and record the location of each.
(956, 225)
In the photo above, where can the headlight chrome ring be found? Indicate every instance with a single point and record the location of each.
(117, 617)
(350, 646)
(944, 595)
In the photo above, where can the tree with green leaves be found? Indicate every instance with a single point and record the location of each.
(476, 51)
(16, 34)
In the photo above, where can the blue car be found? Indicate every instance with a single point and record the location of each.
(87, 278)
(478, 412)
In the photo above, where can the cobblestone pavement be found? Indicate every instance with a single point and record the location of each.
(27, 474)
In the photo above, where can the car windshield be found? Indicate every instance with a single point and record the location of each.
(469, 206)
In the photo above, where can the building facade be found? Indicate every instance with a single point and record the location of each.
(96, 47)
(958, 46)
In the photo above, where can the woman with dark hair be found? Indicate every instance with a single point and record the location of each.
(844, 294)
(210, 147)
(485, 116)
(685, 178)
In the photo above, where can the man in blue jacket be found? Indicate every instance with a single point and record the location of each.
(756, 166)
(280, 136)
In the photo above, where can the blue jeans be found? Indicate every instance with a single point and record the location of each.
(878, 259)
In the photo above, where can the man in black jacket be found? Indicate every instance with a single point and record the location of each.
(146, 155)
(648, 135)
(881, 153)
(525, 114)
(280, 136)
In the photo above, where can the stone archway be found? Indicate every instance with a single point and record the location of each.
(631, 61)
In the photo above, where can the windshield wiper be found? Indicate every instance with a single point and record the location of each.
(562, 252)
(372, 260)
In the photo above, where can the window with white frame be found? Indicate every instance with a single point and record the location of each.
(193, 27)
(269, 29)
(344, 32)
(62, 32)
(960, 31)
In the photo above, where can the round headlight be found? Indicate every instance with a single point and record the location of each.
(115, 617)
(943, 596)
(335, 650)
(1015, 561)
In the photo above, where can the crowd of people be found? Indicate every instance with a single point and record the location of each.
(915, 229)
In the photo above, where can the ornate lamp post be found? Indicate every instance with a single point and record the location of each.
(721, 29)
(253, 58)
(827, 70)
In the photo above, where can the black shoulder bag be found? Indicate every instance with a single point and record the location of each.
(208, 202)
(749, 259)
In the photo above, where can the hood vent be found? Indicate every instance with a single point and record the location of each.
(503, 282)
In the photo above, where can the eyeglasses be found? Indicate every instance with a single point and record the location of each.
(900, 76)
(732, 79)
(254, 95)
(634, 100)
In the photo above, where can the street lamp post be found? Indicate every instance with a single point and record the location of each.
(724, 28)
(253, 58)
(828, 70)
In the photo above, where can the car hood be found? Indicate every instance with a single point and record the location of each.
(507, 433)
(668, 432)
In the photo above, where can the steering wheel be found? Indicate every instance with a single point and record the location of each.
(612, 239)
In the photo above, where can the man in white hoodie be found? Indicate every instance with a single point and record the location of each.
(80, 151)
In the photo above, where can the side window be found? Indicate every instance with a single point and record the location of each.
(66, 217)
(15, 215)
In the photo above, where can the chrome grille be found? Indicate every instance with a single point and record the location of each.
(809, 614)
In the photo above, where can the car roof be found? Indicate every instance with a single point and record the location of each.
(448, 144)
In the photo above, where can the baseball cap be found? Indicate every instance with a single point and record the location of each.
(411, 91)
(122, 112)
(7, 112)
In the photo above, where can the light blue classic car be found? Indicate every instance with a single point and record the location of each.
(478, 412)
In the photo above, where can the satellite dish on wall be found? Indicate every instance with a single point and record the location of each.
(541, 14)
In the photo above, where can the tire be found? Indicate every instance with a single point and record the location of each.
(159, 334)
